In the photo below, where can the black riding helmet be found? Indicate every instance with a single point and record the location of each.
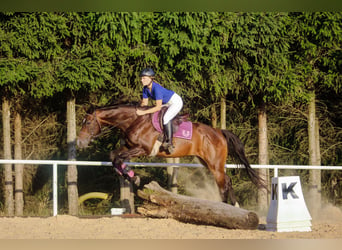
(147, 72)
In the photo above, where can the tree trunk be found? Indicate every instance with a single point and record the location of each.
(161, 203)
(318, 147)
(263, 155)
(312, 129)
(213, 116)
(223, 113)
(19, 168)
(172, 173)
(6, 123)
(72, 169)
(314, 152)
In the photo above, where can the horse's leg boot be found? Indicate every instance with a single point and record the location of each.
(126, 170)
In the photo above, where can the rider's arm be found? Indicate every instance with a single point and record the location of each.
(156, 108)
(144, 102)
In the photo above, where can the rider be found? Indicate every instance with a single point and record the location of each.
(162, 96)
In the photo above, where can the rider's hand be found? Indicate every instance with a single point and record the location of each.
(140, 112)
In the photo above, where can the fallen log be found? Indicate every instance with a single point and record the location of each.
(160, 203)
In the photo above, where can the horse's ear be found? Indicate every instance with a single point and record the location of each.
(85, 109)
(89, 108)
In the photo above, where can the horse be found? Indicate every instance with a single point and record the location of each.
(210, 145)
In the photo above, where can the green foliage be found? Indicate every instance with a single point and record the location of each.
(248, 58)
(317, 42)
(260, 48)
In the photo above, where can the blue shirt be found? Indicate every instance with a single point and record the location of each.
(158, 93)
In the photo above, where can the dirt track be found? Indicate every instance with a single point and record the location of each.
(68, 227)
(326, 224)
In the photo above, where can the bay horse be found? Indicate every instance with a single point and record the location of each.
(210, 145)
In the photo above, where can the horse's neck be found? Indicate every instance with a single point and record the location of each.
(118, 117)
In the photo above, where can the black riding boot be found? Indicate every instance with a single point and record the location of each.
(169, 135)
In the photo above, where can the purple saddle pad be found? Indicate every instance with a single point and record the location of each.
(184, 130)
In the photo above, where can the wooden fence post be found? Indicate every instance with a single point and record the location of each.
(172, 172)
(126, 195)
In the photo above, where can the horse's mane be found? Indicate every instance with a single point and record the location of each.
(115, 106)
(92, 108)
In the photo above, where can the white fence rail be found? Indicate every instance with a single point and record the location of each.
(56, 163)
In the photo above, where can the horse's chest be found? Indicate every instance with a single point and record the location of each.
(139, 134)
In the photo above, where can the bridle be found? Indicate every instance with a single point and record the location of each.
(92, 132)
(91, 124)
(92, 127)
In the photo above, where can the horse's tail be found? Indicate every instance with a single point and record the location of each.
(236, 150)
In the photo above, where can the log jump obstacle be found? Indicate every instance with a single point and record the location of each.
(160, 203)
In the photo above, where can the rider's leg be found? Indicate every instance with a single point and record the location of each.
(169, 135)
(175, 105)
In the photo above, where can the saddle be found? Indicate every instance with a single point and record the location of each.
(181, 126)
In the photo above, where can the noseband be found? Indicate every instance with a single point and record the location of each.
(91, 126)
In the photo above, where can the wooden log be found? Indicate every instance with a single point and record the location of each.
(160, 203)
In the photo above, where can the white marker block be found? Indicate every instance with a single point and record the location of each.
(287, 211)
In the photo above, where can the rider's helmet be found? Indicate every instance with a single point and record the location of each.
(147, 72)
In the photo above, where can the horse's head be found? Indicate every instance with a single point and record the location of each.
(119, 116)
(90, 129)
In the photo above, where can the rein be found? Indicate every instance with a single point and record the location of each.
(92, 134)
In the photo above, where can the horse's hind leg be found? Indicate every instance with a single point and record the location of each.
(222, 180)
(224, 184)
(230, 191)
(226, 189)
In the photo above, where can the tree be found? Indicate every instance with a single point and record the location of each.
(7, 155)
(260, 43)
(317, 43)
(19, 168)
(240, 62)
(16, 50)
(50, 56)
(180, 40)
(125, 43)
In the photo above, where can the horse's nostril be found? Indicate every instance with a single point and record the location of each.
(78, 143)
(81, 144)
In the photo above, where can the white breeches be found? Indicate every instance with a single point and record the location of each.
(175, 105)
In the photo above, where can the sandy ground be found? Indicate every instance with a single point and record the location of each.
(326, 224)
(69, 227)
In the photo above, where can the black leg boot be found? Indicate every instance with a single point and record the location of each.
(169, 135)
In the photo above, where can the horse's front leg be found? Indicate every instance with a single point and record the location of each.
(121, 168)
(114, 154)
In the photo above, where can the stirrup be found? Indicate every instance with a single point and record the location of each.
(170, 148)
